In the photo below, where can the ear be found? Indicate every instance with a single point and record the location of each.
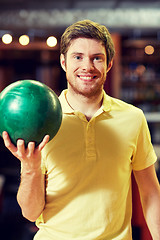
(110, 65)
(63, 62)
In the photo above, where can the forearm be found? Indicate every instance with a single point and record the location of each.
(151, 209)
(31, 193)
(149, 190)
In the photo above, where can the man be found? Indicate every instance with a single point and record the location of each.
(80, 186)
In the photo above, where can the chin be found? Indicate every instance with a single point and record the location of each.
(91, 93)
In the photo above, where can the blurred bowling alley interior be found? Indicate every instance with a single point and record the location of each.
(30, 34)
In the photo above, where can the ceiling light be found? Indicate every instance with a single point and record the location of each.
(24, 40)
(51, 41)
(7, 38)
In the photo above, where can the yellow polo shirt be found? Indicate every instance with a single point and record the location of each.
(88, 169)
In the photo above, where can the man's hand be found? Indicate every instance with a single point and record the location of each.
(30, 156)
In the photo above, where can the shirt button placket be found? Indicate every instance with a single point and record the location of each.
(90, 141)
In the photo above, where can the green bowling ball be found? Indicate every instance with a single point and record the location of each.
(29, 110)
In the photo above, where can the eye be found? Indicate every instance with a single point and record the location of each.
(97, 58)
(77, 57)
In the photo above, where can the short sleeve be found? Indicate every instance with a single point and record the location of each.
(144, 155)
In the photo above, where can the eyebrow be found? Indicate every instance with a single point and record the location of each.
(95, 54)
(74, 53)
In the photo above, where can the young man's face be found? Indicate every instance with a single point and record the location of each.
(86, 66)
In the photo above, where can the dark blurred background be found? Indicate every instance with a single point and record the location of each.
(135, 76)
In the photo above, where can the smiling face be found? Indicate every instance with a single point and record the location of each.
(86, 66)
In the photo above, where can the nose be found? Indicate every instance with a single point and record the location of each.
(87, 64)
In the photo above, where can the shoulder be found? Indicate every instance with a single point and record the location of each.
(124, 107)
(126, 113)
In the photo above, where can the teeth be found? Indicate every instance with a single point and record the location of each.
(86, 78)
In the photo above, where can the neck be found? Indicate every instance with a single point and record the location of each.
(86, 105)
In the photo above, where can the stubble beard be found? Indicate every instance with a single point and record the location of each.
(88, 92)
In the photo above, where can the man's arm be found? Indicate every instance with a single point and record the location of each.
(31, 193)
(149, 190)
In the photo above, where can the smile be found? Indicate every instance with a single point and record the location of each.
(86, 78)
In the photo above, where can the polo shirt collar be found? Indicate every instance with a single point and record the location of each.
(66, 108)
(106, 104)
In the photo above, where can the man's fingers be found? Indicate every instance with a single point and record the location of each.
(31, 148)
(20, 151)
(43, 143)
(20, 147)
(8, 143)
